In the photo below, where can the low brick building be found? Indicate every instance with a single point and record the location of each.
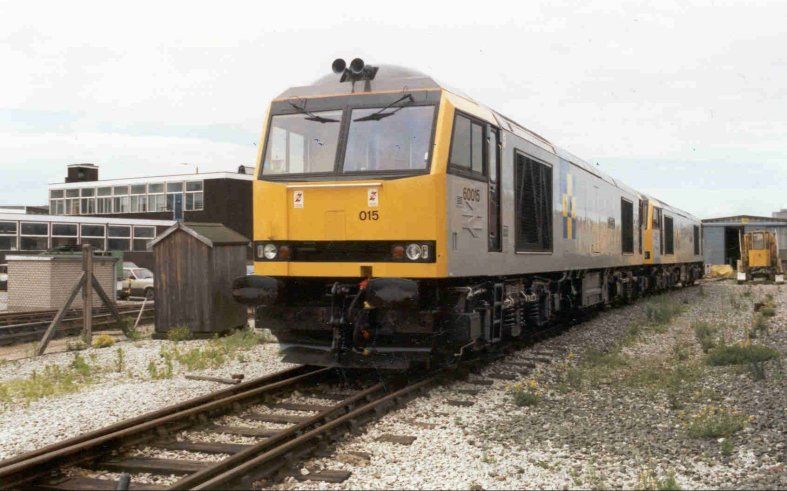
(44, 282)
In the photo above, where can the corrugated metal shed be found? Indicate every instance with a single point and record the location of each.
(720, 236)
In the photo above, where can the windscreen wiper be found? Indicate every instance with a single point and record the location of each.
(311, 115)
(377, 116)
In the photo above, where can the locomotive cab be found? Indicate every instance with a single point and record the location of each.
(347, 202)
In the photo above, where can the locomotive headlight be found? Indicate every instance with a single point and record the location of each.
(413, 252)
(269, 251)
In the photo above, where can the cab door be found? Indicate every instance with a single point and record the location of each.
(493, 149)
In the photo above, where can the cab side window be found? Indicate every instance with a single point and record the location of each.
(467, 145)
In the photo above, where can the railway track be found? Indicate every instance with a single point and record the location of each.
(282, 418)
(257, 430)
(22, 327)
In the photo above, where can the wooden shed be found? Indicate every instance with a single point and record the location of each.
(195, 266)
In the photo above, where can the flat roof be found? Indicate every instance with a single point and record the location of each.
(127, 181)
(21, 217)
(746, 220)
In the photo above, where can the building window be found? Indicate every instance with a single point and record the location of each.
(8, 240)
(194, 196)
(142, 235)
(88, 206)
(56, 194)
(139, 204)
(94, 235)
(157, 202)
(64, 234)
(34, 237)
(103, 206)
(533, 205)
(139, 201)
(174, 187)
(57, 207)
(627, 226)
(121, 204)
(669, 236)
(72, 193)
(119, 238)
(72, 206)
(88, 192)
(157, 199)
(105, 191)
(697, 250)
(467, 144)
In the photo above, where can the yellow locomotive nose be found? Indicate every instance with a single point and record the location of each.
(352, 229)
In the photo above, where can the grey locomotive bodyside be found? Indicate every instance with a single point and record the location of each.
(590, 202)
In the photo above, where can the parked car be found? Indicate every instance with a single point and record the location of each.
(3, 277)
(137, 282)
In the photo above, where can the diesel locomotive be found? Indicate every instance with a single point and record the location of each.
(399, 223)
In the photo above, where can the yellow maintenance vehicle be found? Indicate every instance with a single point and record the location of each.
(760, 257)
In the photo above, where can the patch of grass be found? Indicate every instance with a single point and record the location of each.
(604, 359)
(80, 366)
(179, 333)
(53, 380)
(126, 325)
(747, 292)
(668, 376)
(760, 325)
(714, 422)
(632, 336)
(705, 333)
(241, 340)
(680, 351)
(727, 448)
(661, 312)
(757, 370)
(166, 371)
(737, 354)
(768, 311)
(76, 345)
(120, 360)
(525, 395)
(650, 481)
(103, 341)
(216, 353)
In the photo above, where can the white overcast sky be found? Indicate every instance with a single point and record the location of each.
(684, 100)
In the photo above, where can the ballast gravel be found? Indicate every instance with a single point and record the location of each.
(605, 437)
(113, 396)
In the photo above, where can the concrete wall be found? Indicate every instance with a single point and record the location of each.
(44, 282)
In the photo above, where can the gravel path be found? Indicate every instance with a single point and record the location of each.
(603, 433)
(110, 396)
